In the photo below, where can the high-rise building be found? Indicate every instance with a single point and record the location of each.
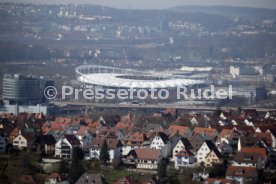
(24, 94)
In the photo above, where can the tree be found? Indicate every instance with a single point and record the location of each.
(162, 170)
(76, 169)
(63, 166)
(104, 153)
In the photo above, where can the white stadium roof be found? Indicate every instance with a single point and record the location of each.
(120, 78)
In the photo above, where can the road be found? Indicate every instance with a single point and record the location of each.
(152, 106)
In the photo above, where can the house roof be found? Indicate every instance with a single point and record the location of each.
(147, 153)
(173, 129)
(46, 139)
(125, 180)
(259, 151)
(226, 133)
(247, 157)
(163, 136)
(207, 131)
(135, 138)
(185, 142)
(111, 142)
(123, 125)
(240, 171)
(213, 147)
(14, 132)
(72, 139)
(90, 178)
(264, 136)
(54, 175)
(82, 131)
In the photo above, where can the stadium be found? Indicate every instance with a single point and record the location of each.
(92, 76)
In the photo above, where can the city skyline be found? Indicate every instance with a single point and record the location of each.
(158, 4)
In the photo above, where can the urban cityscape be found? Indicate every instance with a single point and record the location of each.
(102, 94)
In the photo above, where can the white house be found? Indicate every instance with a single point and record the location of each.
(184, 158)
(145, 158)
(207, 147)
(114, 146)
(182, 143)
(21, 141)
(240, 174)
(65, 145)
(135, 140)
(159, 141)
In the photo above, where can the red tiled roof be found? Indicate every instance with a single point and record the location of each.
(123, 125)
(260, 151)
(111, 142)
(124, 180)
(173, 129)
(54, 176)
(135, 138)
(225, 133)
(265, 136)
(240, 171)
(207, 131)
(147, 153)
(15, 132)
(82, 131)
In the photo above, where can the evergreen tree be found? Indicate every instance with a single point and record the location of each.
(104, 154)
(76, 169)
(162, 170)
(63, 166)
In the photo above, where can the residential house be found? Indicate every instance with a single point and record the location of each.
(208, 153)
(250, 157)
(114, 146)
(184, 131)
(214, 157)
(144, 158)
(242, 175)
(14, 133)
(159, 141)
(47, 143)
(184, 158)
(135, 140)
(65, 145)
(207, 133)
(90, 178)
(267, 137)
(180, 144)
(225, 136)
(247, 140)
(55, 178)
(196, 141)
(22, 141)
(85, 138)
(125, 180)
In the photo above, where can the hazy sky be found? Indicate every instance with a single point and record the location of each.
(159, 4)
